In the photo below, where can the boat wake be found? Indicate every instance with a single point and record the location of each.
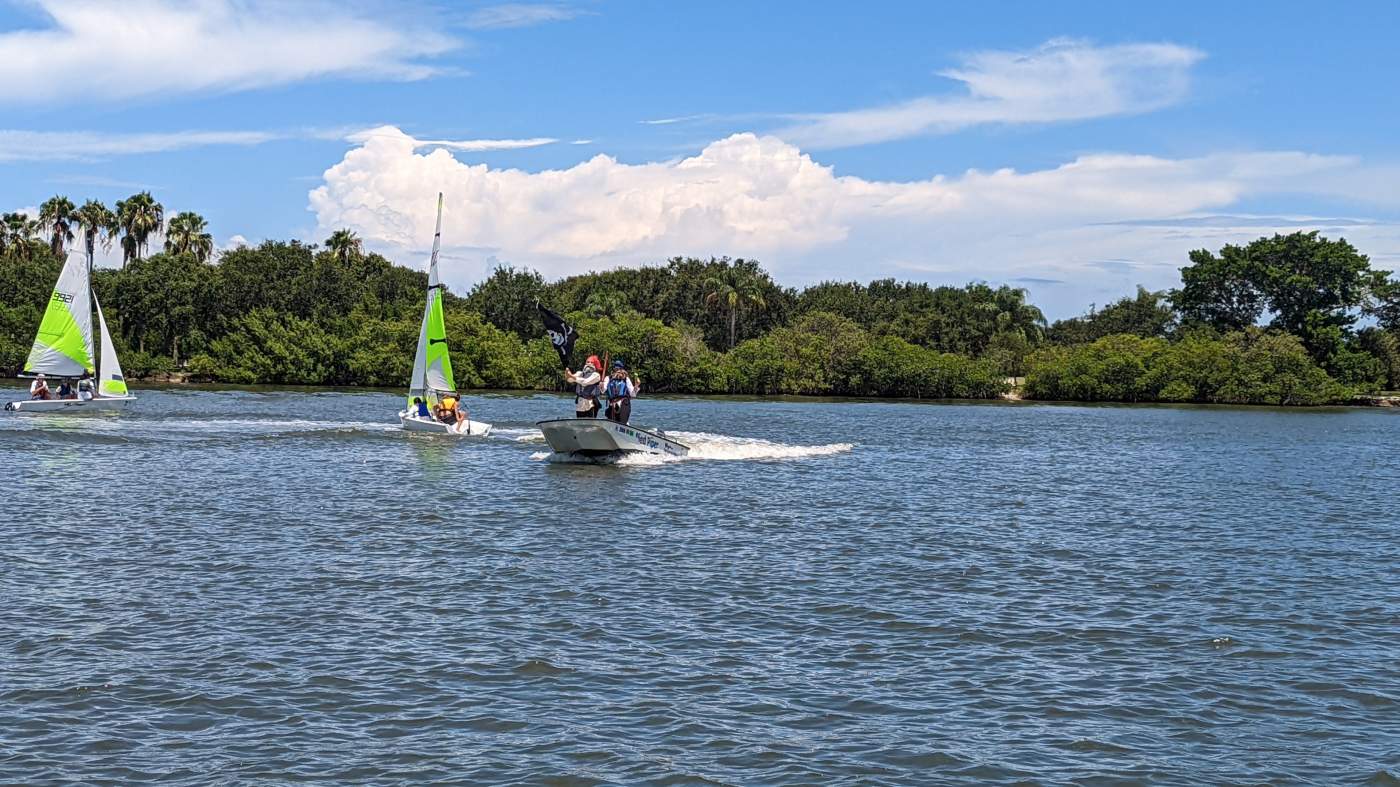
(707, 446)
(265, 426)
(518, 434)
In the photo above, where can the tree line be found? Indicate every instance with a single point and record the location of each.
(1288, 319)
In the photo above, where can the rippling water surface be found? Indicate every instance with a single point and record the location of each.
(271, 586)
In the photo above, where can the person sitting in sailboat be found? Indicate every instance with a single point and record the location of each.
(620, 390)
(85, 387)
(588, 384)
(447, 409)
(420, 409)
(39, 389)
(65, 389)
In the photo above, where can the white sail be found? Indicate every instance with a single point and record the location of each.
(418, 386)
(110, 380)
(63, 345)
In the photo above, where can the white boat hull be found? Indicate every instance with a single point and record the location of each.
(467, 428)
(600, 437)
(101, 404)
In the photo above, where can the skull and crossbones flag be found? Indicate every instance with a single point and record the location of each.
(560, 333)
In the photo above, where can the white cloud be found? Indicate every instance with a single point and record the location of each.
(233, 242)
(672, 121)
(23, 145)
(94, 50)
(1081, 223)
(1060, 81)
(464, 145)
(507, 15)
(20, 145)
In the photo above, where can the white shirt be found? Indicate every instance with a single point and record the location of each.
(585, 378)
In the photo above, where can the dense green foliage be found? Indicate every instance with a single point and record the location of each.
(287, 312)
(1149, 314)
(1252, 366)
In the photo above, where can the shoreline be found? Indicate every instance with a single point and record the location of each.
(1012, 398)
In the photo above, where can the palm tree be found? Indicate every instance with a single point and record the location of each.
(96, 220)
(734, 288)
(1014, 315)
(56, 217)
(187, 234)
(18, 231)
(139, 216)
(344, 244)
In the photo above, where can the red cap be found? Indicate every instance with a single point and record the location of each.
(597, 364)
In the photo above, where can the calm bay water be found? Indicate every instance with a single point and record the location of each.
(271, 586)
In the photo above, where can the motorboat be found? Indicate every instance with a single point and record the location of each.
(596, 437)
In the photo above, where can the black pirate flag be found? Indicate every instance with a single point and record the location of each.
(560, 333)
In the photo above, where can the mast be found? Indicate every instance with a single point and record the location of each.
(97, 351)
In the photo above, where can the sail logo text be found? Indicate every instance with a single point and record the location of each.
(62, 297)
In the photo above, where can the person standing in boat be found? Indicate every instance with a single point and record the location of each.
(620, 390)
(588, 384)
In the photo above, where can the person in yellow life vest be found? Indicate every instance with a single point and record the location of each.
(447, 409)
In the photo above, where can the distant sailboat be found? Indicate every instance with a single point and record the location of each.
(432, 366)
(63, 347)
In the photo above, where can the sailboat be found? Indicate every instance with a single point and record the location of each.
(63, 347)
(432, 366)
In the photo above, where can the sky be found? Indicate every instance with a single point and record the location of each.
(1076, 150)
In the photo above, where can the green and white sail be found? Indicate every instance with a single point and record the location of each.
(63, 346)
(110, 380)
(432, 367)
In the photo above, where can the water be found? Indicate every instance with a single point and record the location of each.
(264, 586)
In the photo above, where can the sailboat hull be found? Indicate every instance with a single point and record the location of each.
(466, 429)
(598, 437)
(102, 404)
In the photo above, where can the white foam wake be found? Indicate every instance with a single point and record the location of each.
(704, 445)
(713, 447)
(519, 434)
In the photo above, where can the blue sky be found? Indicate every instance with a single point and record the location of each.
(1074, 149)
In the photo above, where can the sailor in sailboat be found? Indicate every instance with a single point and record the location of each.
(432, 404)
(39, 389)
(64, 347)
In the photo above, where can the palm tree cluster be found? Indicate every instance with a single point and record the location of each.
(735, 289)
(188, 233)
(138, 217)
(17, 232)
(345, 245)
(135, 222)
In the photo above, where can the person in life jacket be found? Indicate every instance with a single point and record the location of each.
(620, 390)
(39, 389)
(447, 410)
(85, 386)
(588, 385)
